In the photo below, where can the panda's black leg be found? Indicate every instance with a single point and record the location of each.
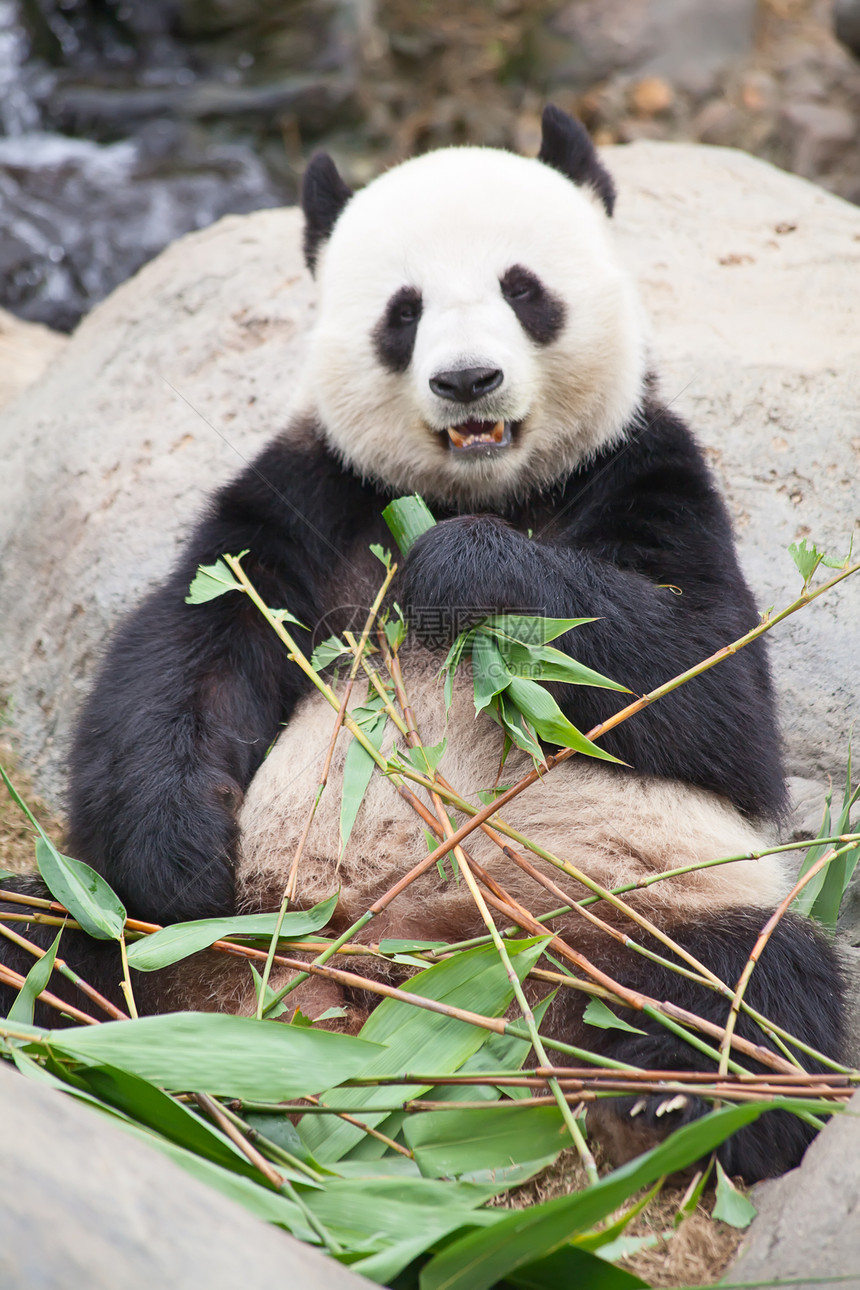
(797, 984)
(96, 962)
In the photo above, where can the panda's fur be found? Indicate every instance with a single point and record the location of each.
(466, 286)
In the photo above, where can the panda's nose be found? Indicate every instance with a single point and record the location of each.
(466, 384)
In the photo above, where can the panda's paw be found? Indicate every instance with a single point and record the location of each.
(628, 1126)
(462, 570)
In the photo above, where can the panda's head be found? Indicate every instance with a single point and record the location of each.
(477, 338)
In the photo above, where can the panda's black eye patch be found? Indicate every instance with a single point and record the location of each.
(394, 334)
(541, 314)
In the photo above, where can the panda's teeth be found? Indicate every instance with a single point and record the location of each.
(464, 436)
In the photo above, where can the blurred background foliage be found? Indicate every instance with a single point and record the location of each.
(125, 123)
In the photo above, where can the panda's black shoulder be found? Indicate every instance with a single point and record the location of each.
(295, 490)
(654, 485)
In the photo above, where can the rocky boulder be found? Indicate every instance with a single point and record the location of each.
(86, 1204)
(179, 378)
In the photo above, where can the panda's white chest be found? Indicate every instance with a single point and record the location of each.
(618, 828)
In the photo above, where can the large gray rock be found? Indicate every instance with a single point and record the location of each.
(184, 372)
(87, 1207)
(807, 1229)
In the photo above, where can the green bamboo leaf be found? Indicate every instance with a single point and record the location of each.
(408, 518)
(545, 663)
(96, 907)
(181, 939)
(806, 898)
(211, 581)
(598, 1014)
(404, 1215)
(516, 728)
(426, 759)
(36, 981)
(382, 554)
(271, 1009)
(85, 894)
(807, 559)
(732, 1206)
(530, 630)
(284, 616)
(539, 707)
(357, 771)
(414, 1038)
(837, 874)
(395, 629)
(326, 652)
(572, 1266)
(489, 674)
(219, 1054)
(447, 1143)
(480, 1259)
(8, 873)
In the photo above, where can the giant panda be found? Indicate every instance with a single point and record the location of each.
(477, 342)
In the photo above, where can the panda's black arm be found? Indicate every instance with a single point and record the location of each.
(634, 525)
(190, 697)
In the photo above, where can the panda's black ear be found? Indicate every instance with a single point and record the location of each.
(324, 195)
(567, 147)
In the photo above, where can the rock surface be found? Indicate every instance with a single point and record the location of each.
(807, 1228)
(26, 350)
(186, 370)
(85, 1204)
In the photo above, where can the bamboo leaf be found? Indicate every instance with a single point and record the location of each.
(382, 554)
(545, 663)
(805, 899)
(516, 728)
(426, 758)
(219, 1054)
(357, 772)
(530, 630)
(181, 939)
(284, 616)
(732, 1206)
(489, 674)
(598, 1014)
(571, 1266)
(408, 518)
(539, 707)
(412, 1038)
(85, 894)
(326, 652)
(447, 1143)
(36, 981)
(211, 581)
(480, 1259)
(837, 874)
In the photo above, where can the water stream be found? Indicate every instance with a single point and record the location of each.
(125, 123)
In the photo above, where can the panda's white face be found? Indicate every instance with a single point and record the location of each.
(477, 337)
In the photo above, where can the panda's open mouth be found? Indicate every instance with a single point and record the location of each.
(480, 436)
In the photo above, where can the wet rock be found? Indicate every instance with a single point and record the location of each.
(651, 96)
(86, 1204)
(820, 136)
(81, 217)
(846, 24)
(185, 372)
(686, 41)
(807, 1229)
